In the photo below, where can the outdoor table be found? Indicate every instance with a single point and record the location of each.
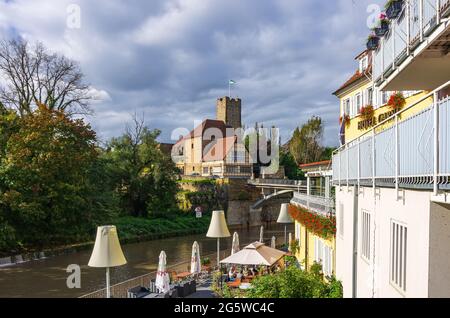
(245, 286)
(183, 275)
(154, 295)
(235, 284)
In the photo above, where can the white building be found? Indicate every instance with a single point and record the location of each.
(392, 182)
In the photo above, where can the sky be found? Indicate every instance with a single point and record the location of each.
(169, 60)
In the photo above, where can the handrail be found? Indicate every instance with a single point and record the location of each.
(372, 130)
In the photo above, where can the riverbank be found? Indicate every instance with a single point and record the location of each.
(130, 230)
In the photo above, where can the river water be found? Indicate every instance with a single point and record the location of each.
(47, 277)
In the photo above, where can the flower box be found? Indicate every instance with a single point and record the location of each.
(394, 8)
(383, 28)
(373, 42)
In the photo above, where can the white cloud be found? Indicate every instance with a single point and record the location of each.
(171, 59)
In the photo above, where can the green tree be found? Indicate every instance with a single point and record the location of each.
(305, 145)
(145, 178)
(294, 283)
(45, 173)
(293, 172)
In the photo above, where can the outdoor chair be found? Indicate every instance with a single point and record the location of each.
(153, 286)
(138, 292)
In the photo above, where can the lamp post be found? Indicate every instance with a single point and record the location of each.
(107, 252)
(218, 229)
(285, 218)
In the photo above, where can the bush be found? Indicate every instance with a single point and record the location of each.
(294, 283)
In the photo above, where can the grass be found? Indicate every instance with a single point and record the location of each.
(132, 229)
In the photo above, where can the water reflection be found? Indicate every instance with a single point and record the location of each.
(47, 278)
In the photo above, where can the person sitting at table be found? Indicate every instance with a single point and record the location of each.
(245, 271)
(231, 274)
(239, 275)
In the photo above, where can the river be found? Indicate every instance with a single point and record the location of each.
(47, 278)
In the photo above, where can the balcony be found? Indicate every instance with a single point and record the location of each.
(414, 54)
(317, 204)
(401, 151)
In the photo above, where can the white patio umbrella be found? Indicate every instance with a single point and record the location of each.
(261, 235)
(273, 244)
(235, 245)
(196, 267)
(290, 242)
(162, 276)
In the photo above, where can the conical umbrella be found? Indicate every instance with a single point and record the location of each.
(162, 277)
(261, 235)
(290, 242)
(274, 242)
(196, 267)
(235, 245)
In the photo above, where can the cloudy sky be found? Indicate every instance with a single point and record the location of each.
(171, 59)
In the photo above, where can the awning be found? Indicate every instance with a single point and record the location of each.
(255, 254)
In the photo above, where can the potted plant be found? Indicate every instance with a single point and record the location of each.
(396, 101)
(383, 26)
(346, 119)
(367, 112)
(372, 42)
(206, 264)
(393, 8)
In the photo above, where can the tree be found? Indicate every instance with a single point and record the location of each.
(295, 283)
(145, 178)
(33, 76)
(45, 178)
(305, 145)
(291, 168)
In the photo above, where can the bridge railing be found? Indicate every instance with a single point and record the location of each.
(277, 182)
(318, 204)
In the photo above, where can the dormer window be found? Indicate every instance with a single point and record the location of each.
(363, 64)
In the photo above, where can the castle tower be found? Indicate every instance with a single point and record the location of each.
(229, 111)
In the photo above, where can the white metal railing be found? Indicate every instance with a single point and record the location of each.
(317, 204)
(412, 151)
(417, 20)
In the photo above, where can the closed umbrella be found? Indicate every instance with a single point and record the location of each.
(162, 276)
(261, 235)
(196, 267)
(274, 242)
(290, 242)
(235, 245)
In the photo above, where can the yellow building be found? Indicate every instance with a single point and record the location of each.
(309, 208)
(359, 91)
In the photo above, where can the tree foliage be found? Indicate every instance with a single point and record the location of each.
(33, 76)
(145, 178)
(295, 283)
(46, 189)
(305, 145)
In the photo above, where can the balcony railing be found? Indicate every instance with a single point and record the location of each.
(417, 21)
(317, 204)
(412, 152)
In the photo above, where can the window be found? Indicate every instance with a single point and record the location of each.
(346, 107)
(370, 96)
(205, 170)
(341, 220)
(358, 104)
(365, 235)
(399, 239)
(298, 234)
(323, 254)
(363, 63)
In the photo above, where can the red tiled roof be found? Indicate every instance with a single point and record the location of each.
(355, 77)
(314, 164)
(206, 124)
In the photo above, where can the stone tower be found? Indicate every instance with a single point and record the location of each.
(229, 111)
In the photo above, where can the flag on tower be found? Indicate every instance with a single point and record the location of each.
(232, 82)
